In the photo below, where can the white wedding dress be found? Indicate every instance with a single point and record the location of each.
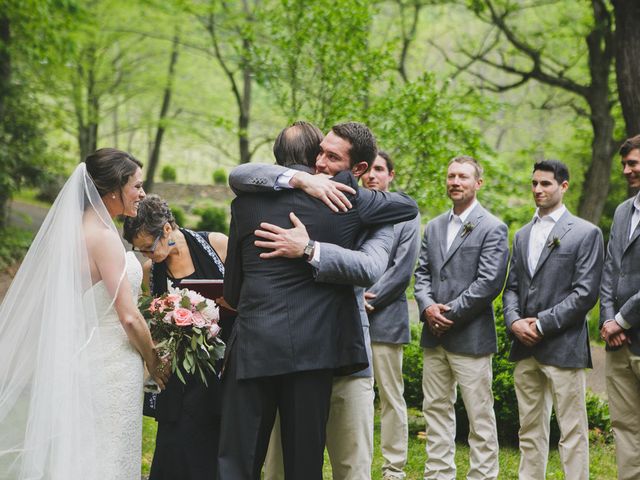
(119, 428)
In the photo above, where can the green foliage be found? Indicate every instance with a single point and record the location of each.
(179, 216)
(219, 176)
(14, 243)
(213, 219)
(168, 173)
(412, 369)
(423, 126)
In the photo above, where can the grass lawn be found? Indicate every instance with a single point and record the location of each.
(603, 465)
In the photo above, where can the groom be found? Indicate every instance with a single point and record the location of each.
(289, 327)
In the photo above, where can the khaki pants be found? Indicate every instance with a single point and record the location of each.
(441, 372)
(538, 388)
(349, 432)
(623, 389)
(394, 430)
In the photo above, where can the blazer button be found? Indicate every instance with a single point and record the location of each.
(443, 277)
(622, 274)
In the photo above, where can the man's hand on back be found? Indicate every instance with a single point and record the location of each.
(321, 187)
(285, 242)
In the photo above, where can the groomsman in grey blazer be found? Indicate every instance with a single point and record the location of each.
(620, 319)
(553, 282)
(462, 267)
(386, 305)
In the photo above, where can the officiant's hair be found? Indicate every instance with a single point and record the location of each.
(298, 144)
(363, 143)
(153, 214)
(110, 169)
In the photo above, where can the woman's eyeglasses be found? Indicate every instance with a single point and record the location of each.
(148, 250)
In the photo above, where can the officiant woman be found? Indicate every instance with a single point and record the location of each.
(188, 415)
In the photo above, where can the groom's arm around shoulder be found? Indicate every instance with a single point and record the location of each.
(255, 177)
(362, 267)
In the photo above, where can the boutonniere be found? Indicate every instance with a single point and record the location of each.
(553, 243)
(466, 229)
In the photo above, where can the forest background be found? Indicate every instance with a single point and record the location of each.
(200, 85)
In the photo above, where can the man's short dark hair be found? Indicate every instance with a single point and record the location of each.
(559, 169)
(387, 159)
(363, 142)
(629, 144)
(298, 144)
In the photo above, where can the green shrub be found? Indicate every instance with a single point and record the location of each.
(412, 369)
(49, 187)
(168, 173)
(212, 219)
(179, 216)
(220, 176)
(14, 243)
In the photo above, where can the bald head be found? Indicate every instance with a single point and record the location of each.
(298, 144)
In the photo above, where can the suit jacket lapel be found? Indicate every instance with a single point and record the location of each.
(524, 249)
(626, 224)
(558, 231)
(442, 235)
(474, 218)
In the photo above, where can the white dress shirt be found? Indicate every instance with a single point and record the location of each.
(540, 231)
(456, 222)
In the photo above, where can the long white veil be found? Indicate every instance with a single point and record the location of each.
(50, 375)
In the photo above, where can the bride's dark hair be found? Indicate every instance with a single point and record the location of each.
(110, 169)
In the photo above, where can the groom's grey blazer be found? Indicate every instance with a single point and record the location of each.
(620, 290)
(560, 293)
(360, 268)
(467, 278)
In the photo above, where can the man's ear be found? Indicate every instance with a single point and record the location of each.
(359, 168)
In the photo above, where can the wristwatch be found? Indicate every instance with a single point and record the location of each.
(307, 253)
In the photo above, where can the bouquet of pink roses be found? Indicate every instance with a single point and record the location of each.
(184, 326)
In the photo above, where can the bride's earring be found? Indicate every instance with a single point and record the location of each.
(113, 195)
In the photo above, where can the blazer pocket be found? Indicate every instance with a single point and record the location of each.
(562, 256)
(470, 249)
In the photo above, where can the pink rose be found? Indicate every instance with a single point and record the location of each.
(174, 298)
(199, 320)
(167, 318)
(213, 330)
(182, 317)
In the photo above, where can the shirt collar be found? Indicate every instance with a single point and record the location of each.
(636, 202)
(464, 215)
(553, 216)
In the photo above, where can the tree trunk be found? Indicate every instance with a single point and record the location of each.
(244, 118)
(601, 53)
(627, 15)
(154, 156)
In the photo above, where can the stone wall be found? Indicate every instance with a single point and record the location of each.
(186, 196)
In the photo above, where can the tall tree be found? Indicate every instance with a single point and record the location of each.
(154, 156)
(521, 50)
(627, 15)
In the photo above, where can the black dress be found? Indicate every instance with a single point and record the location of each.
(188, 415)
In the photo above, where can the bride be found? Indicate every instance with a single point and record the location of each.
(72, 341)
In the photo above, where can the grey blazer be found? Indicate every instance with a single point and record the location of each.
(562, 290)
(390, 319)
(620, 290)
(360, 268)
(467, 278)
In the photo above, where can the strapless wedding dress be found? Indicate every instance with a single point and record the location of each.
(119, 426)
